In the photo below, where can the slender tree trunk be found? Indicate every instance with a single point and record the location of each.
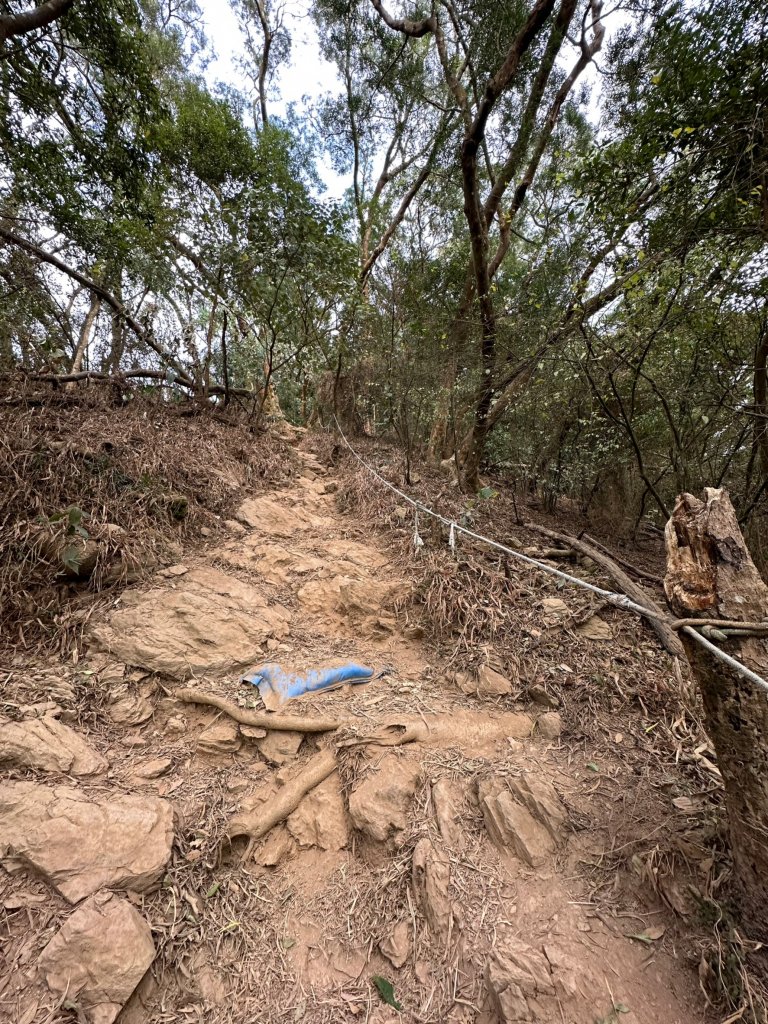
(85, 334)
(711, 574)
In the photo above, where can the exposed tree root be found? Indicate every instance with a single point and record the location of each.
(263, 720)
(255, 824)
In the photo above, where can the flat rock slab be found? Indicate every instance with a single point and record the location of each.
(511, 825)
(211, 623)
(48, 745)
(98, 957)
(275, 520)
(79, 844)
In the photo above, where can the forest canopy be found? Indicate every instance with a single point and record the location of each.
(548, 262)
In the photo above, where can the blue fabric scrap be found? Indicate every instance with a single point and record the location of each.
(273, 682)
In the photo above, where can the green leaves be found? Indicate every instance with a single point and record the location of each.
(386, 991)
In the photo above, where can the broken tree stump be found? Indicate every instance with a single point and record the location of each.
(710, 573)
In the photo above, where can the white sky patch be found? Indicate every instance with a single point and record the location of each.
(306, 78)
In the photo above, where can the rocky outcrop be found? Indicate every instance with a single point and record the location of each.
(49, 746)
(98, 957)
(515, 976)
(210, 623)
(79, 844)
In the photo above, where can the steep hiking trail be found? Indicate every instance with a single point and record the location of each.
(425, 847)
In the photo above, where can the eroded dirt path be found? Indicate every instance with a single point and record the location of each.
(459, 869)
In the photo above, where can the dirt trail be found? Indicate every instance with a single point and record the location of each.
(466, 871)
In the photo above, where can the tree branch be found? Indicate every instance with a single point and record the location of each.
(39, 17)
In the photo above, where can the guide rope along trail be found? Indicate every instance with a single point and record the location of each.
(616, 599)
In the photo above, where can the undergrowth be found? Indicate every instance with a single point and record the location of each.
(98, 485)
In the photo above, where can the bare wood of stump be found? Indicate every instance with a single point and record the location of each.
(255, 824)
(659, 624)
(710, 573)
(263, 720)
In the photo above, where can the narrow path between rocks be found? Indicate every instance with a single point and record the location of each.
(457, 876)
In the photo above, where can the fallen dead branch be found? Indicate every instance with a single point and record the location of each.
(624, 563)
(255, 824)
(262, 720)
(659, 623)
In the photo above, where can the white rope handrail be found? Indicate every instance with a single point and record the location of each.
(618, 600)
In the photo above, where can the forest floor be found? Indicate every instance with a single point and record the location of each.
(544, 848)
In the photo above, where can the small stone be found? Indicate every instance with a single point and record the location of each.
(234, 527)
(98, 957)
(253, 732)
(204, 531)
(134, 739)
(272, 644)
(193, 856)
(396, 944)
(176, 725)
(539, 695)
(554, 606)
(550, 725)
(279, 747)
(174, 570)
(278, 847)
(491, 683)
(153, 769)
(223, 737)
(414, 632)
(237, 785)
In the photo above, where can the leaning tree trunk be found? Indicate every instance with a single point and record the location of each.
(710, 574)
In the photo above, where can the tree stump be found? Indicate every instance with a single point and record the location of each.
(711, 574)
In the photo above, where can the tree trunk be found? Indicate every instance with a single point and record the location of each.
(85, 334)
(711, 574)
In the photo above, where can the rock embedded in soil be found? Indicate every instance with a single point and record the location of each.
(379, 806)
(80, 844)
(550, 725)
(129, 708)
(223, 737)
(98, 957)
(517, 976)
(321, 818)
(491, 683)
(447, 801)
(210, 623)
(280, 747)
(431, 878)
(277, 847)
(539, 695)
(46, 744)
(396, 944)
(511, 826)
(542, 801)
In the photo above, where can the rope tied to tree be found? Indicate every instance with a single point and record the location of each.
(688, 626)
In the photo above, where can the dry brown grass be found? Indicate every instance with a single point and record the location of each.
(132, 474)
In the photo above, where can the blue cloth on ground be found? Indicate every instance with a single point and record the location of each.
(273, 681)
